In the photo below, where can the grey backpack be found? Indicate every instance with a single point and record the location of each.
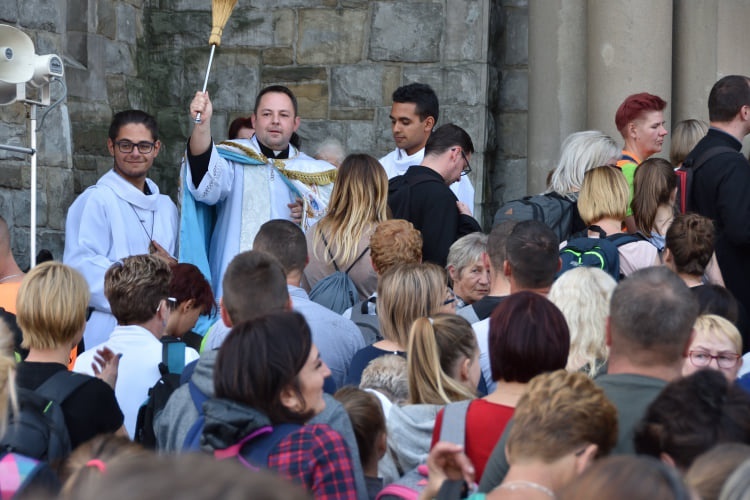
(337, 291)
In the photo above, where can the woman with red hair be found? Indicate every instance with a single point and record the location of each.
(640, 120)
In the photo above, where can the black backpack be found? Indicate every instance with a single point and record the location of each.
(38, 430)
(601, 253)
(368, 324)
(399, 193)
(553, 210)
(685, 176)
(171, 366)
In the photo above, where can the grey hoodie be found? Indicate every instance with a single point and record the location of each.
(173, 423)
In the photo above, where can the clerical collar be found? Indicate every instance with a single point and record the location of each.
(269, 153)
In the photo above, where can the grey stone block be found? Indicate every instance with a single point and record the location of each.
(250, 28)
(464, 30)
(517, 37)
(460, 84)
(106, 16)
(361, 138)
(511, 134)
(330, 36)
(313, 132)
(514, 90)
(59, 195)
(9, 13)
(40, 15)
(410, 32)
(76, 16)
(357, 85)
(127, 23)
(119, 59)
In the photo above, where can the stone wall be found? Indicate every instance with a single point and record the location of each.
(342, 58)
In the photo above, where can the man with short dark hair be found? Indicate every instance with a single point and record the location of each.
(336, 337)
(722, 183)
(414, 113)
(249, 181)
(422, 196)
(530, 261)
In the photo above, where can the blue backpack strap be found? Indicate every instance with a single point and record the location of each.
(193, 436)
(256, 451)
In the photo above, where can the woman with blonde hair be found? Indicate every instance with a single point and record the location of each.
(341, 239)
(685, 135)
(582, 295)
(52, 312)
(405, 292)
(442, 367)
(717, 344)
(603, 205)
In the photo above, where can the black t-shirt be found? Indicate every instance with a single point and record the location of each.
(91, 410)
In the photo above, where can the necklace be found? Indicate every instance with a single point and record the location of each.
(10, 276)
(520, 484)
(150, 237)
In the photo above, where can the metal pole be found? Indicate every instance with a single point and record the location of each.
(32, 246)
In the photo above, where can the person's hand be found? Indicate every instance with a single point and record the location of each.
(463, 208)
(201, 104)
(105, 365)
(446, 461)
(159, 251)
(295, 211)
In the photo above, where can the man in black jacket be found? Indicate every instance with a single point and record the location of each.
(721, 185)
(422, 195)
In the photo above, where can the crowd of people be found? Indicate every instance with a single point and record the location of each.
(340, 327)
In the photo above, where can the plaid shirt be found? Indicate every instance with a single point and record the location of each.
(317, 457)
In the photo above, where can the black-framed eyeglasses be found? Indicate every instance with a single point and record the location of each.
(702, 359)
(89, 311)
(466, 169)
(144, 147)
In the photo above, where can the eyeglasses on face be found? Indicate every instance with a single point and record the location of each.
(466, 169)
(702, 359)
(144, 147)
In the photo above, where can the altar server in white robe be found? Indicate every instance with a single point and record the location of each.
(123, 214)
(247, 182)
(414, 112)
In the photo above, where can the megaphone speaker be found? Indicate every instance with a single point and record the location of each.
(16, 55)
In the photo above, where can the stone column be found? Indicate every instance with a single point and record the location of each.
(629, 51)
(557, 83)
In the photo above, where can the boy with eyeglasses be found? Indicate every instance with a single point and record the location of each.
(123, 214)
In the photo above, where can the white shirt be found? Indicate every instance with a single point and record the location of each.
(397, 162)
(139, 367)
(109, 221)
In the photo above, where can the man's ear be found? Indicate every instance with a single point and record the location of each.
(296, 123)
(157, 147)
(586, 458)
(506, 268)
(187, 305)
(111, 146)
(429, 123)
(608, 332)
(224, 314)
(452, 273)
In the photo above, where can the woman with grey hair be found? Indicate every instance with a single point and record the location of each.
(468, 270)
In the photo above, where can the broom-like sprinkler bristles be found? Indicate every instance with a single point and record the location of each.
(220, 11)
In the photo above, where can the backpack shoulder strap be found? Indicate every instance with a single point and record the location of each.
(328, 249)
(621, 239)
(61, 385)
(367, 249)
(192, 438)
(708, 154)
(257, 450)
(454, 422)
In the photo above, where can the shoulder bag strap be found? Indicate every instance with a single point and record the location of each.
(453, 429)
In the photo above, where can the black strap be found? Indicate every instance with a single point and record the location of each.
(365, 308)
(325, 242)
(708, 154)
(597, 229)
(61, 385)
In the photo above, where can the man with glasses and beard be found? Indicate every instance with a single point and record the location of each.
(123, 214)
(423, 197)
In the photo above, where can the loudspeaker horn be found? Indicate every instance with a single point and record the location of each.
(16, 55)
